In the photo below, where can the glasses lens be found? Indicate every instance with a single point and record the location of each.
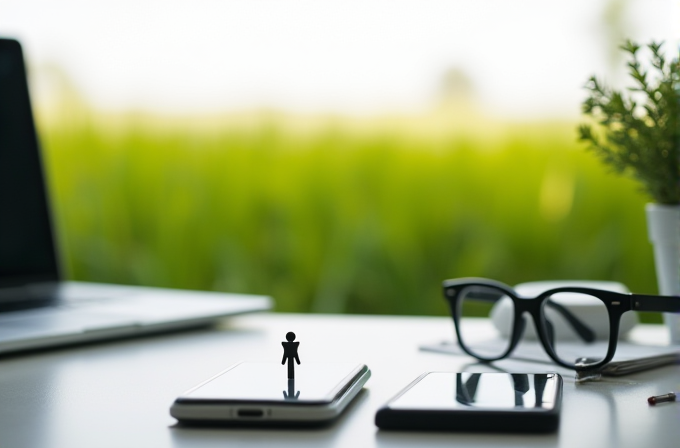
(577, 326)
(486, 320)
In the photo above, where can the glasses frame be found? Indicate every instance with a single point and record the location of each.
(616, 304)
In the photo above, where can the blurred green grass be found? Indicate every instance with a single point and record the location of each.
(338, 217)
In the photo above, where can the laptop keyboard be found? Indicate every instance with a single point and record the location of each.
(118, 312)
(81, 316)
(58, 320)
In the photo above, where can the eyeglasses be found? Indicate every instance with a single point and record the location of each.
(577, 342)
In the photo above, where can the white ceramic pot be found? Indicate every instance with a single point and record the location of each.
(663, 225)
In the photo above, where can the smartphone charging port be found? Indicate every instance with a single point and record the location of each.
(250, 413)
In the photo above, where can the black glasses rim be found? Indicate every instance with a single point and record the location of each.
(609, 296)
(602, 294)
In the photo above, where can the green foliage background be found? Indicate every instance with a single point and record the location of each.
(338, 217)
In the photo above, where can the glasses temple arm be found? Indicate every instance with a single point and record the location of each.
(584, 332)
(669, 304)
(551, 331)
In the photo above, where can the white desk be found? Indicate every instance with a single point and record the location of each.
(117, 394)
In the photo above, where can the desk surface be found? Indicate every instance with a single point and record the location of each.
(117, 394)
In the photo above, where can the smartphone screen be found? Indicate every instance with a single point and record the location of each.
(477, 402)
(469, 391)
(266, 382)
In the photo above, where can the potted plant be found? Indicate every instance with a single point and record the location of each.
(637, 133)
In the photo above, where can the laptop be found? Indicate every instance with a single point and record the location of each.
(37, 307)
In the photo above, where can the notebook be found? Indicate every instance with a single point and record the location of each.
(37, 307)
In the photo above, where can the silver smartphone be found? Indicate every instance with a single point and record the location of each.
(261, 394)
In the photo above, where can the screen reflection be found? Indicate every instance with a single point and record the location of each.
(443, 390)
(466, 389)
(291, 394)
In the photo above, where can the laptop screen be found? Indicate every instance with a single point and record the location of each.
(27, 252)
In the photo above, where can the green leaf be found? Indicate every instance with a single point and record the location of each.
(640, 139)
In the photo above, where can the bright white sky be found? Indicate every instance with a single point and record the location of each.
(524, 57)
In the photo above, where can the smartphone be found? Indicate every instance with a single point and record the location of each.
(261, 394)
(476, 402)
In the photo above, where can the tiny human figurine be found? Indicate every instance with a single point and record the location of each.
(290, 352)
